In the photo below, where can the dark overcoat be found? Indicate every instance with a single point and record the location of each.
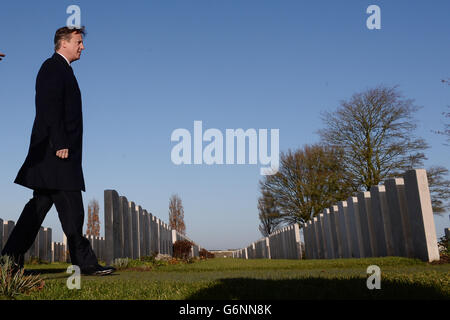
(58, 124)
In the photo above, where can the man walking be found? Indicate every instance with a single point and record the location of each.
(52, 167)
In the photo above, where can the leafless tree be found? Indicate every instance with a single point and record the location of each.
(269, 215)
(176, 214)
(309, 180)
(375, 128)
(439, 189)
(93, 225)
(446, 131)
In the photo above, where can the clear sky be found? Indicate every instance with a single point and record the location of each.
(151, 67)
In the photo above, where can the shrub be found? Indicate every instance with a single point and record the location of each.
(120, 263)
(13, 282)
(444, 245)
(182, 249)
(151, 258)
(205, 254)
(444, 249)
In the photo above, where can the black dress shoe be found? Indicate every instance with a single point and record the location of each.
(98, 270)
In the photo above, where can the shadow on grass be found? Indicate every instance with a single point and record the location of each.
(44, 271)
(316, 288)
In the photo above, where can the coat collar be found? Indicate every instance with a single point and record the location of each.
(61, 59)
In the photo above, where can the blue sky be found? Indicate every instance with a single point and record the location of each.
(151, 67)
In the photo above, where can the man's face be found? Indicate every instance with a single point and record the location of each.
(73, 48)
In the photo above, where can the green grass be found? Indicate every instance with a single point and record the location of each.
(221, 278)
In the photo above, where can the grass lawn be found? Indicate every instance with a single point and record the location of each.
(222, 278)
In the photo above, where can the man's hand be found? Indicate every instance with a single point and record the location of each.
(63, 153)
(1, 55)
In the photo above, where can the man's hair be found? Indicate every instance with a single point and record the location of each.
(66, 34)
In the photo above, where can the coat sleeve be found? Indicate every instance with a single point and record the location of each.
(50, 105)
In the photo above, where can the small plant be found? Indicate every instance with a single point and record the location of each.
(444, 249)
(182, 249)
(102, 262)
(191, 260)
(163, 257)
(13, 281)
(444, 244)
(140, 264)
(120, 263)
(151, 258)
(174, 261)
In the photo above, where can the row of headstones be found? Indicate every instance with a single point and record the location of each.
(132, 232)
(282, 244)
(59, 252)
(42, 248)
(98, 245)
(393, 219)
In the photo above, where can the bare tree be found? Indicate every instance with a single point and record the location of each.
(176, 214)
(308, 181)
(375, 129)
(269, 215)
(446, 131)
(93, 225)
(439, 189)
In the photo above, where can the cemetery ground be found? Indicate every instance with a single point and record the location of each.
(227, 278)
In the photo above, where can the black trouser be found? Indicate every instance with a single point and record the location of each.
(69, 205)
